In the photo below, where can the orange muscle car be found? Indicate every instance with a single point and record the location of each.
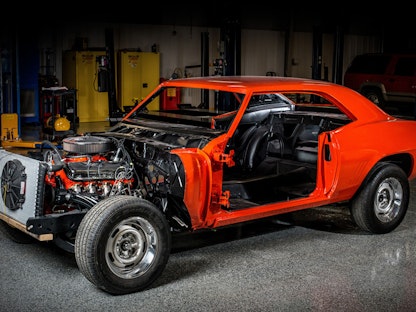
(203, 153)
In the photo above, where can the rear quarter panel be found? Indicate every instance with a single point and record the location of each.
(361, 146)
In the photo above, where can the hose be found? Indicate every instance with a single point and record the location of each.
(58, 163)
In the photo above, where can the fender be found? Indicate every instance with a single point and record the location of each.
(198, 183)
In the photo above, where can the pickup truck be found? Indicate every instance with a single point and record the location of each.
(383, 77)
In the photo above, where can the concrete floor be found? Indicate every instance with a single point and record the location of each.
(317, 261)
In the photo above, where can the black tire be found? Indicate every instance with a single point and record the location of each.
(375, 96)
(123, 244)
(382, 201)
(15, 234)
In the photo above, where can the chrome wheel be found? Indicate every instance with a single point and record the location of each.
(123, 244)
(131, 247)
(382, 201)
(388, 199)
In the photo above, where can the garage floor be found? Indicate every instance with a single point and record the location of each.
(313, 260)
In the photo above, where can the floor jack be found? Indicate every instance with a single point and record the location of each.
(10, 133)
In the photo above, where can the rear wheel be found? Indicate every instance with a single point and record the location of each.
(381, 204)
(123, 244)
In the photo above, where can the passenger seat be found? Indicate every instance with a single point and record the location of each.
(306, 145)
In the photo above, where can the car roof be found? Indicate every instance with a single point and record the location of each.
(244, 84)
(358, 106)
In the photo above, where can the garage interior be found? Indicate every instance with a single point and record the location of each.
(82, 70)
(99, 63)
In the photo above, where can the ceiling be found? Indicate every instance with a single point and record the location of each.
(394, 24)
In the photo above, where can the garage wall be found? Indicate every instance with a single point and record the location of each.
(178, 46)
(262, 51)
(301, 57)
(355, 45)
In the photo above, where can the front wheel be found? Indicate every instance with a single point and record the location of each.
(381, 204)
(123, 244)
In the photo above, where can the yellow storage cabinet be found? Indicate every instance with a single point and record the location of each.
(80, 72)
(138, 73)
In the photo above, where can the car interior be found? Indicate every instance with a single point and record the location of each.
(276, 155)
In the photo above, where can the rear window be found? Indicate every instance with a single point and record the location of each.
(369, 64)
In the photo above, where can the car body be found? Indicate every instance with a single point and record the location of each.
(383, 77)
(233, 149)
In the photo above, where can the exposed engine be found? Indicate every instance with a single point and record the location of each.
(89, 169)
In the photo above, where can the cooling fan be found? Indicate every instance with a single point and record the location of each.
(13, 184)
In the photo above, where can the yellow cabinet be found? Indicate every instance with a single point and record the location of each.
(138, 73)
(80, 72)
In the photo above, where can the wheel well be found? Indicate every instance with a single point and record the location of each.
(404, 161)
(373, 86)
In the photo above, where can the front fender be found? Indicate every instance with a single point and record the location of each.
(198, 183)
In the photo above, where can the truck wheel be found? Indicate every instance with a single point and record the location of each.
(381, 204)
(123, 244)
(374, 96)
